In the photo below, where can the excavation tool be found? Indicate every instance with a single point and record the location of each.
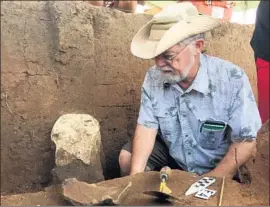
(164, 176)
(164, 192)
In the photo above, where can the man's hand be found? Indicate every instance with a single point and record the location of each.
(228, 166)
(143, 143)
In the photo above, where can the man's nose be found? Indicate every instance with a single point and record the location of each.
(160, 62)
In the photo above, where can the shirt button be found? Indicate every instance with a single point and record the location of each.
(186, 135)
(189, 153)
(184, 115)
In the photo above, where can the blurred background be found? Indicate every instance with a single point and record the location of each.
(242, 12)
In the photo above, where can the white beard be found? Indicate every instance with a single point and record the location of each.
(169, 76)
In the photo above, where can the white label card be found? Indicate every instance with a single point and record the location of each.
(200, 185)
(205, 193)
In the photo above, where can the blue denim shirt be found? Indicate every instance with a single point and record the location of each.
(220, 93)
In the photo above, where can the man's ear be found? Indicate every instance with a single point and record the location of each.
(199, 45)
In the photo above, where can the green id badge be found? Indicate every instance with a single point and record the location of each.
(213, 126)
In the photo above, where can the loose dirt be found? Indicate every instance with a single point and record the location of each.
(235, 194)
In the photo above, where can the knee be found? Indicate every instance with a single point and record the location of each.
(124, 162)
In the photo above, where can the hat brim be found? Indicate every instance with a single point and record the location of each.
(143, 47)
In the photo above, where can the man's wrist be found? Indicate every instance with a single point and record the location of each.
(136, 169)
(219, 171)
(133, 172)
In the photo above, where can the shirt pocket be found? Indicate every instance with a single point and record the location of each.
(210, 137)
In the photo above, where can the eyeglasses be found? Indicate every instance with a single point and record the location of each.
(169, 58)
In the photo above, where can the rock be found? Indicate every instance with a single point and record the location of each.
(81, 193)
(78, 148)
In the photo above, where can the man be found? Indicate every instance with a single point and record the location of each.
(260, 43)
(195, 109)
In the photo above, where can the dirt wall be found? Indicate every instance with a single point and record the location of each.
(70, 57)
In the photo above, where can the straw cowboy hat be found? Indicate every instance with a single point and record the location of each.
(169, 27)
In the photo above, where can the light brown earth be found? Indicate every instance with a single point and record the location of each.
(235, 194)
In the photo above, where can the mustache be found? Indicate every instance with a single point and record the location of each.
(166, 69)
(167, 75)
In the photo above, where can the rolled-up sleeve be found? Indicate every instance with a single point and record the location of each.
(244, 118)
(147, 117)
